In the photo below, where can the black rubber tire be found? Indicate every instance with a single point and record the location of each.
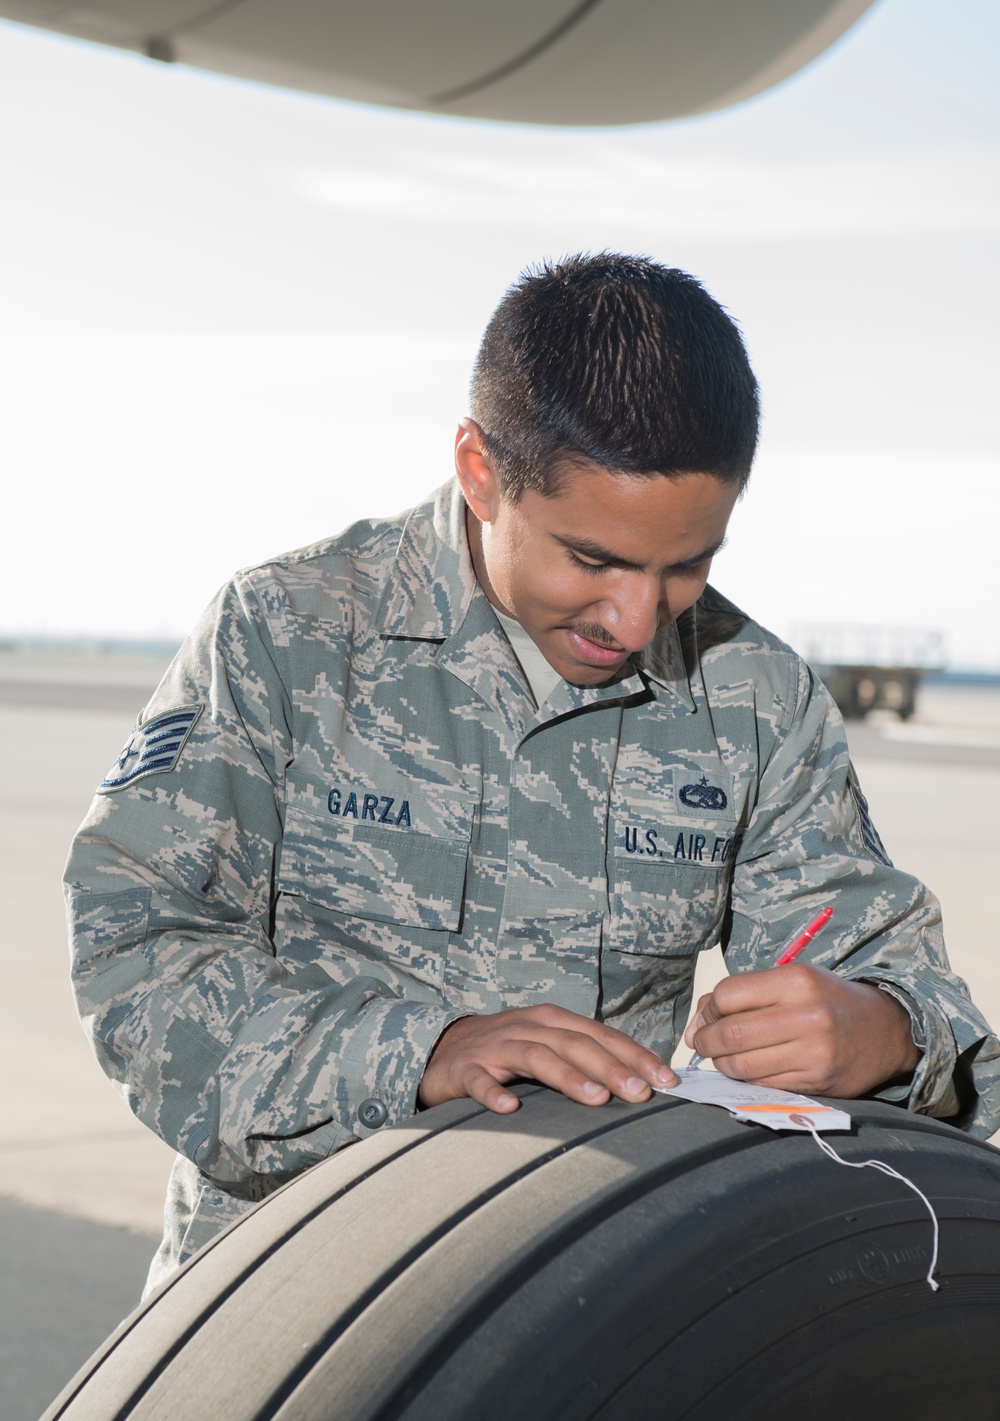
(617, 1263)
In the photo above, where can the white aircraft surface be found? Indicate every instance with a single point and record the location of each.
(529, 61)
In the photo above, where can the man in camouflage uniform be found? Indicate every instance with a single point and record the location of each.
(455, 798)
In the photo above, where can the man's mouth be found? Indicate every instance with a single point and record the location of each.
(592, 646)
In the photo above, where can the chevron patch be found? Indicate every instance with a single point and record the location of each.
(152, 748)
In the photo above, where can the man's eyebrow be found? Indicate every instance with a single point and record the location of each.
(588, 549)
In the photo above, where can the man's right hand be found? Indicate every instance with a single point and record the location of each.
(477, 1056)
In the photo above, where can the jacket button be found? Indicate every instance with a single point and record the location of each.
(372, 1113)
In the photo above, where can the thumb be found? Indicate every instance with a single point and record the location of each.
(700, 1019)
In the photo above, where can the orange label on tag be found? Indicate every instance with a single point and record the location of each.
(784, 1109)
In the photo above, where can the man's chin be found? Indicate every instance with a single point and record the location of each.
(579, 674)
(586, 678)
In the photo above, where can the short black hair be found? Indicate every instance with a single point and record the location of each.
(619, 361)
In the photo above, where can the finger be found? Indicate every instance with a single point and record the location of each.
(547, 1022)
(760, 1067)
(796, 983)
(744, 1032)
(738, 1013)
(639, 1060)
(767, 1046)
(599, 1069)
(479, 1085)
(780, 1071)
(574, 1065)
(791, 1079)
(527, 1057)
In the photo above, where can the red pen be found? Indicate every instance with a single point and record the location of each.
(788, 951)
(802, 936)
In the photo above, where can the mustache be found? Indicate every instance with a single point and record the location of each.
(594, 632)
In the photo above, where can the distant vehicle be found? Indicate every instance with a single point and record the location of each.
(547, 61)
(869, 668)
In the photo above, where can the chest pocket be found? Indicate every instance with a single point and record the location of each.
(407, 868)
(670, 858)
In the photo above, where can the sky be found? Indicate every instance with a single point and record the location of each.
(235, 319)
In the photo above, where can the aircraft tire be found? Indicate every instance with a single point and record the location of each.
(624, 1262)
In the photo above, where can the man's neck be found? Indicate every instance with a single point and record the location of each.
(474, 533)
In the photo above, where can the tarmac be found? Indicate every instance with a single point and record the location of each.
(82, 1188)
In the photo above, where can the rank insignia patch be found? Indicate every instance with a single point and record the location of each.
(152, 748)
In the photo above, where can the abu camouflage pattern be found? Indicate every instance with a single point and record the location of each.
(370, 830)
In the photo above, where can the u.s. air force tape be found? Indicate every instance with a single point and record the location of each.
(152, 748)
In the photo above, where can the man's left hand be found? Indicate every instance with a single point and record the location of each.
(805, 1029)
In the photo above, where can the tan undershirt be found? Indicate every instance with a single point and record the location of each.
(540, 676)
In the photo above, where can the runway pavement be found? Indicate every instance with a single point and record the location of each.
(65, 1285)
(82, 1180)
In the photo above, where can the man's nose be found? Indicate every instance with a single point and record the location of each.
(636, 615)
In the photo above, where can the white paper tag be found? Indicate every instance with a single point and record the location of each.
(759, 1105)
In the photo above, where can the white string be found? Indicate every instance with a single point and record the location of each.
(828, 1149)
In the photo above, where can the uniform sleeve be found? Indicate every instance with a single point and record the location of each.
(810, 842)
(250, 1064)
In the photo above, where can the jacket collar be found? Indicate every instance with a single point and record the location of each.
(431, 582)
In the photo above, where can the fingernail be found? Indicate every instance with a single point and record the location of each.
(664, 1075)
(592, 1089)
(506, 1102)
(634, 1086)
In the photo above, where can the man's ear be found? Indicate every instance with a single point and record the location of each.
(474, 468)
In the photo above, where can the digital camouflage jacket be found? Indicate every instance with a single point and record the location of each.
(341, 823)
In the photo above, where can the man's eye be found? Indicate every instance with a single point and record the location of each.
(577, 561)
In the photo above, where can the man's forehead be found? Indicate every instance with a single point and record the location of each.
(571, 473)
(579, 486)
